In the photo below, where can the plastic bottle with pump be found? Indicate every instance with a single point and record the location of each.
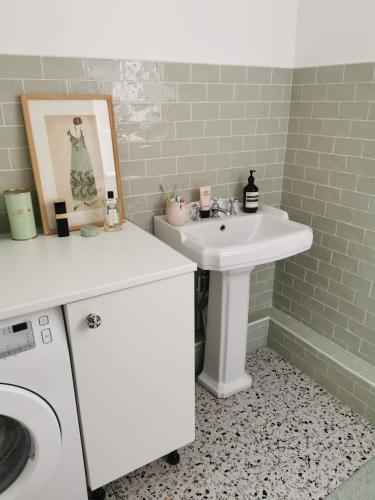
(250, 195)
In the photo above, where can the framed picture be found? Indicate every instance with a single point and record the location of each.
(74, 155)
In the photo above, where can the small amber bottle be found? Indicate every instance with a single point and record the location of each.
(250, 195)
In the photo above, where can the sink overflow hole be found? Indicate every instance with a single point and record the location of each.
(222, 228)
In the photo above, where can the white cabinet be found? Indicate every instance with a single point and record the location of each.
(134, 375)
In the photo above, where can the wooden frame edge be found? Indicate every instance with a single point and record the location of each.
(25, 98)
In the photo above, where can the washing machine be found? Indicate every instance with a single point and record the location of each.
(40, 446)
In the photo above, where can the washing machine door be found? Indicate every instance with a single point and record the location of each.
(30, 443)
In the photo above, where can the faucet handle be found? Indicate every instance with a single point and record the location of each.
(233, 206)
(195, 211)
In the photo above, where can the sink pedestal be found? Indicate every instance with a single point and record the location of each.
(226, 337)
(230, 247)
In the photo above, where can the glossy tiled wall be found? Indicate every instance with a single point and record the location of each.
(183, 125)
(187, 125)
(329, 184)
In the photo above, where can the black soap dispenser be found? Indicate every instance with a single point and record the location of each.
(250, 195)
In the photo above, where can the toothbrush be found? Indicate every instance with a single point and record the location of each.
(167, 199)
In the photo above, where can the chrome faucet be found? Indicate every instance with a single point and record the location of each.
(216, 209)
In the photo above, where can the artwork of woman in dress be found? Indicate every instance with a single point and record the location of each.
(82, 177)
(76, 159)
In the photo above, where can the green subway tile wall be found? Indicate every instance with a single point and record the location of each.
(329, 184)
(309, 133)
(183, 125)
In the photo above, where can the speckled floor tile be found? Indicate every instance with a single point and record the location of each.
(285, 438)
(315, 472)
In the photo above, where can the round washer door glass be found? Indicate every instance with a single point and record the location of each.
(30, 443)
(15, 451)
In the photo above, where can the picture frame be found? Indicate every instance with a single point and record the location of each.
(74, 156)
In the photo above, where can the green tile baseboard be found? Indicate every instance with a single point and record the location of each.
(346, 376)
(257, 332)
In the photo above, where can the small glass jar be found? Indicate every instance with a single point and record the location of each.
(20, 213)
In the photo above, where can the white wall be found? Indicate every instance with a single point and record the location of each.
(335, 32)
(248, 32)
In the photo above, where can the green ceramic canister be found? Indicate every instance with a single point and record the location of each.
(20, 213)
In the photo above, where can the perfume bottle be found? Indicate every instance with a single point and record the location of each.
(112, 220)
(61, 218)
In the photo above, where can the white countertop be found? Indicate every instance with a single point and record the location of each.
(49, 271)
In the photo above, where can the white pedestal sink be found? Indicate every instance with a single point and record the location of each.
(230, 247)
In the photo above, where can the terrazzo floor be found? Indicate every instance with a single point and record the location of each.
(285, 438)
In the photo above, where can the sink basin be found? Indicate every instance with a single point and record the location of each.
(233, 242)
(230, 247)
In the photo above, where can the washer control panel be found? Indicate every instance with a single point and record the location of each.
(46, 335)
(16, 338)
(43, 320)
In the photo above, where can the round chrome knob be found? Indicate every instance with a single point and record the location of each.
(93, 320)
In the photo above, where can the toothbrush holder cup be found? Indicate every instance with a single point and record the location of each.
(177, 213)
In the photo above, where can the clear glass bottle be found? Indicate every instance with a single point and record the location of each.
(112, 221)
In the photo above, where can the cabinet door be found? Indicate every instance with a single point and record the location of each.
(134, 375)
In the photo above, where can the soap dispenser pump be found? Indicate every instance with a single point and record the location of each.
(250, 195)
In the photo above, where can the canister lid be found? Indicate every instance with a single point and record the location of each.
(17, 191)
